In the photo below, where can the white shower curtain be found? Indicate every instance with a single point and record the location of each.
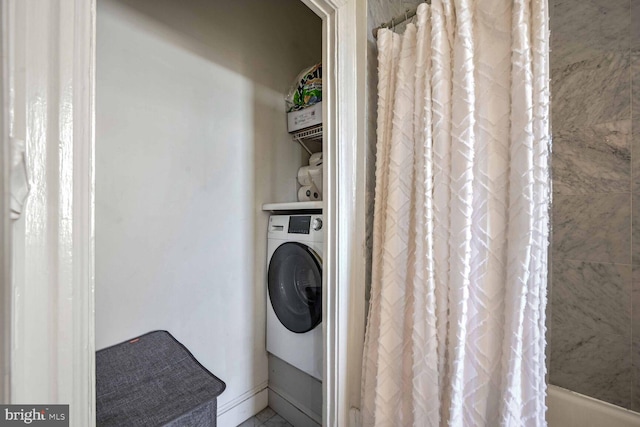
(456, 328)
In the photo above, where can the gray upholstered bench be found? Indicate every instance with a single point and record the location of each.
(153, 380)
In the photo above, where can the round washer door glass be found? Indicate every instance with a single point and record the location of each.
(295, 286)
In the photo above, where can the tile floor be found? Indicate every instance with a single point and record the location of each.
(266, 418)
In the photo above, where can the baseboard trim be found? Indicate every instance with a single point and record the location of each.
(243, 407)
(295, 413)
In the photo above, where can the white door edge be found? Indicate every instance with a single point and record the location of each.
(50, 64)
(5, 225)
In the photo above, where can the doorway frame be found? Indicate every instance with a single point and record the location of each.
(5, 225)
(344, 41)
(344, 64)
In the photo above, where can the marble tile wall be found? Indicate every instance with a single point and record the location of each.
(594, 325)
(635, 180)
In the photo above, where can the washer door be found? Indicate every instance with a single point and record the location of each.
(295, 286)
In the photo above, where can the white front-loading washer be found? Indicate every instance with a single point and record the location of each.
(294, 291)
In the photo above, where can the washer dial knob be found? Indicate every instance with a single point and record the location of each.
(317, 224)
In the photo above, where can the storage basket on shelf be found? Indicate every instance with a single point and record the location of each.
(304, 100)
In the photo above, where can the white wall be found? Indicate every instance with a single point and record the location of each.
(190, 141)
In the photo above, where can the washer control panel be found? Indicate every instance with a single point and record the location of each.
(299, 224)
(308, 227)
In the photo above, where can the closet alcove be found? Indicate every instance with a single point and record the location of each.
(191, 142)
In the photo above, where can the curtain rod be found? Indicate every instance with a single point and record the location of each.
(408, 14)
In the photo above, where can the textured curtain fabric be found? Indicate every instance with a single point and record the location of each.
(456, 327)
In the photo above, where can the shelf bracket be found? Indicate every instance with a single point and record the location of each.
(301, 142)
(310, 134)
